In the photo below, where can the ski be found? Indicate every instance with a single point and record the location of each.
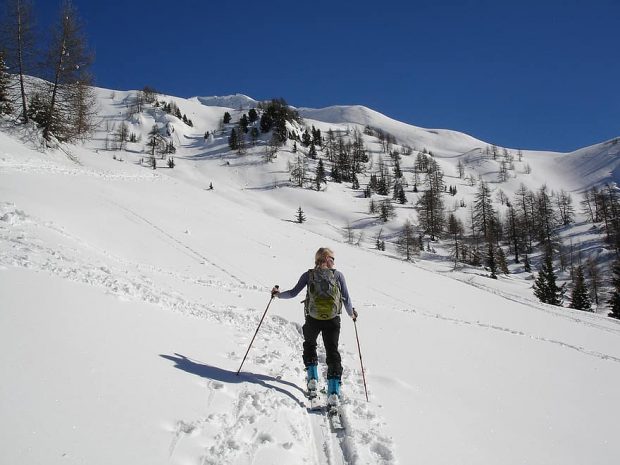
(314, 402)
(335, 417)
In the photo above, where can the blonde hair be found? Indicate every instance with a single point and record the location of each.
(321, 256)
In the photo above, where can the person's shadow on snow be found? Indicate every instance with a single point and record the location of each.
(230, 377)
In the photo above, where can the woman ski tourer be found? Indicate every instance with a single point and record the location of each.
(325, 295)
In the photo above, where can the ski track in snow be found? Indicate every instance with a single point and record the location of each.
(252, 423)
(514, 332)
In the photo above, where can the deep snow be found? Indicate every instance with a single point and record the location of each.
(129, 297)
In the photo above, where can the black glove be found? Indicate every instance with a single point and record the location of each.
(354, 316)
(275, 291)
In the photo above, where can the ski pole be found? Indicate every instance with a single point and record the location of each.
(361, 362)
(252, 341)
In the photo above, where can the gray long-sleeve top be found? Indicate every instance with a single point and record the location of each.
(303, 281)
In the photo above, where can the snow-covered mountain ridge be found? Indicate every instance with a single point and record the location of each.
(130, 295)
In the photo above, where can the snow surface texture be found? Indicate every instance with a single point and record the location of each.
(129, 297)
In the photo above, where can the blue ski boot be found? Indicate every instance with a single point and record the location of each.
(313, 380)
(333, 392)
(333, 404)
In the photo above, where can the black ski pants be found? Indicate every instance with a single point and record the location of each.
(330, 330)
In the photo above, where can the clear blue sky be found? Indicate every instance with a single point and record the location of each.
(524, 74)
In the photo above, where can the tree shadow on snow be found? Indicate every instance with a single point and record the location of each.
(230, 377)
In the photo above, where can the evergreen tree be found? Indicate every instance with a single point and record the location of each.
(380, 243)
(122, 136)
(312, 152)
(233, 140)
(321, 176)
(83, 103)
(492, 259)
(154, 139)
(372, 206)
(501, 261)
(430, 205)
(317, 139)
(386, 210)
(298, 170)
(545, 219)
(545, 285)
(5, 103)
(244, 123)
(401, 197)
(252, 115)
(594, 278)
(306, 139)
(227, 117)
(455, 229)
(254, 134)
(19, 44)
(514, 231)
(580, 297)
(266, 122)
(614, 301)
(565, 207)
(300, 217)
(407, 241)
(484, 214)
(67, 64)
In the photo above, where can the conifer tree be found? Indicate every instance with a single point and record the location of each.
(317, 139)
(244, 123)
(252, 115)
(492, 260)
(5, 103)
(430, 206)
(580, 297)
(484, 213)
(501, 261)
(614, 301)
(67, 64)
(154, 139)
(19, 44)
(407, 241)
(300, 217)
(298, 170)
(227, 117)
(233, 140)
(306, 139)
(545, 285)
(455, 229)
(312, 152)
(594, 277)
(321, 177)
(254, 134)
(386, 210)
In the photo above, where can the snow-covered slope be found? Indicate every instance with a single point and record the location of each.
(237, 101)
(443, 141)
(129, 297)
